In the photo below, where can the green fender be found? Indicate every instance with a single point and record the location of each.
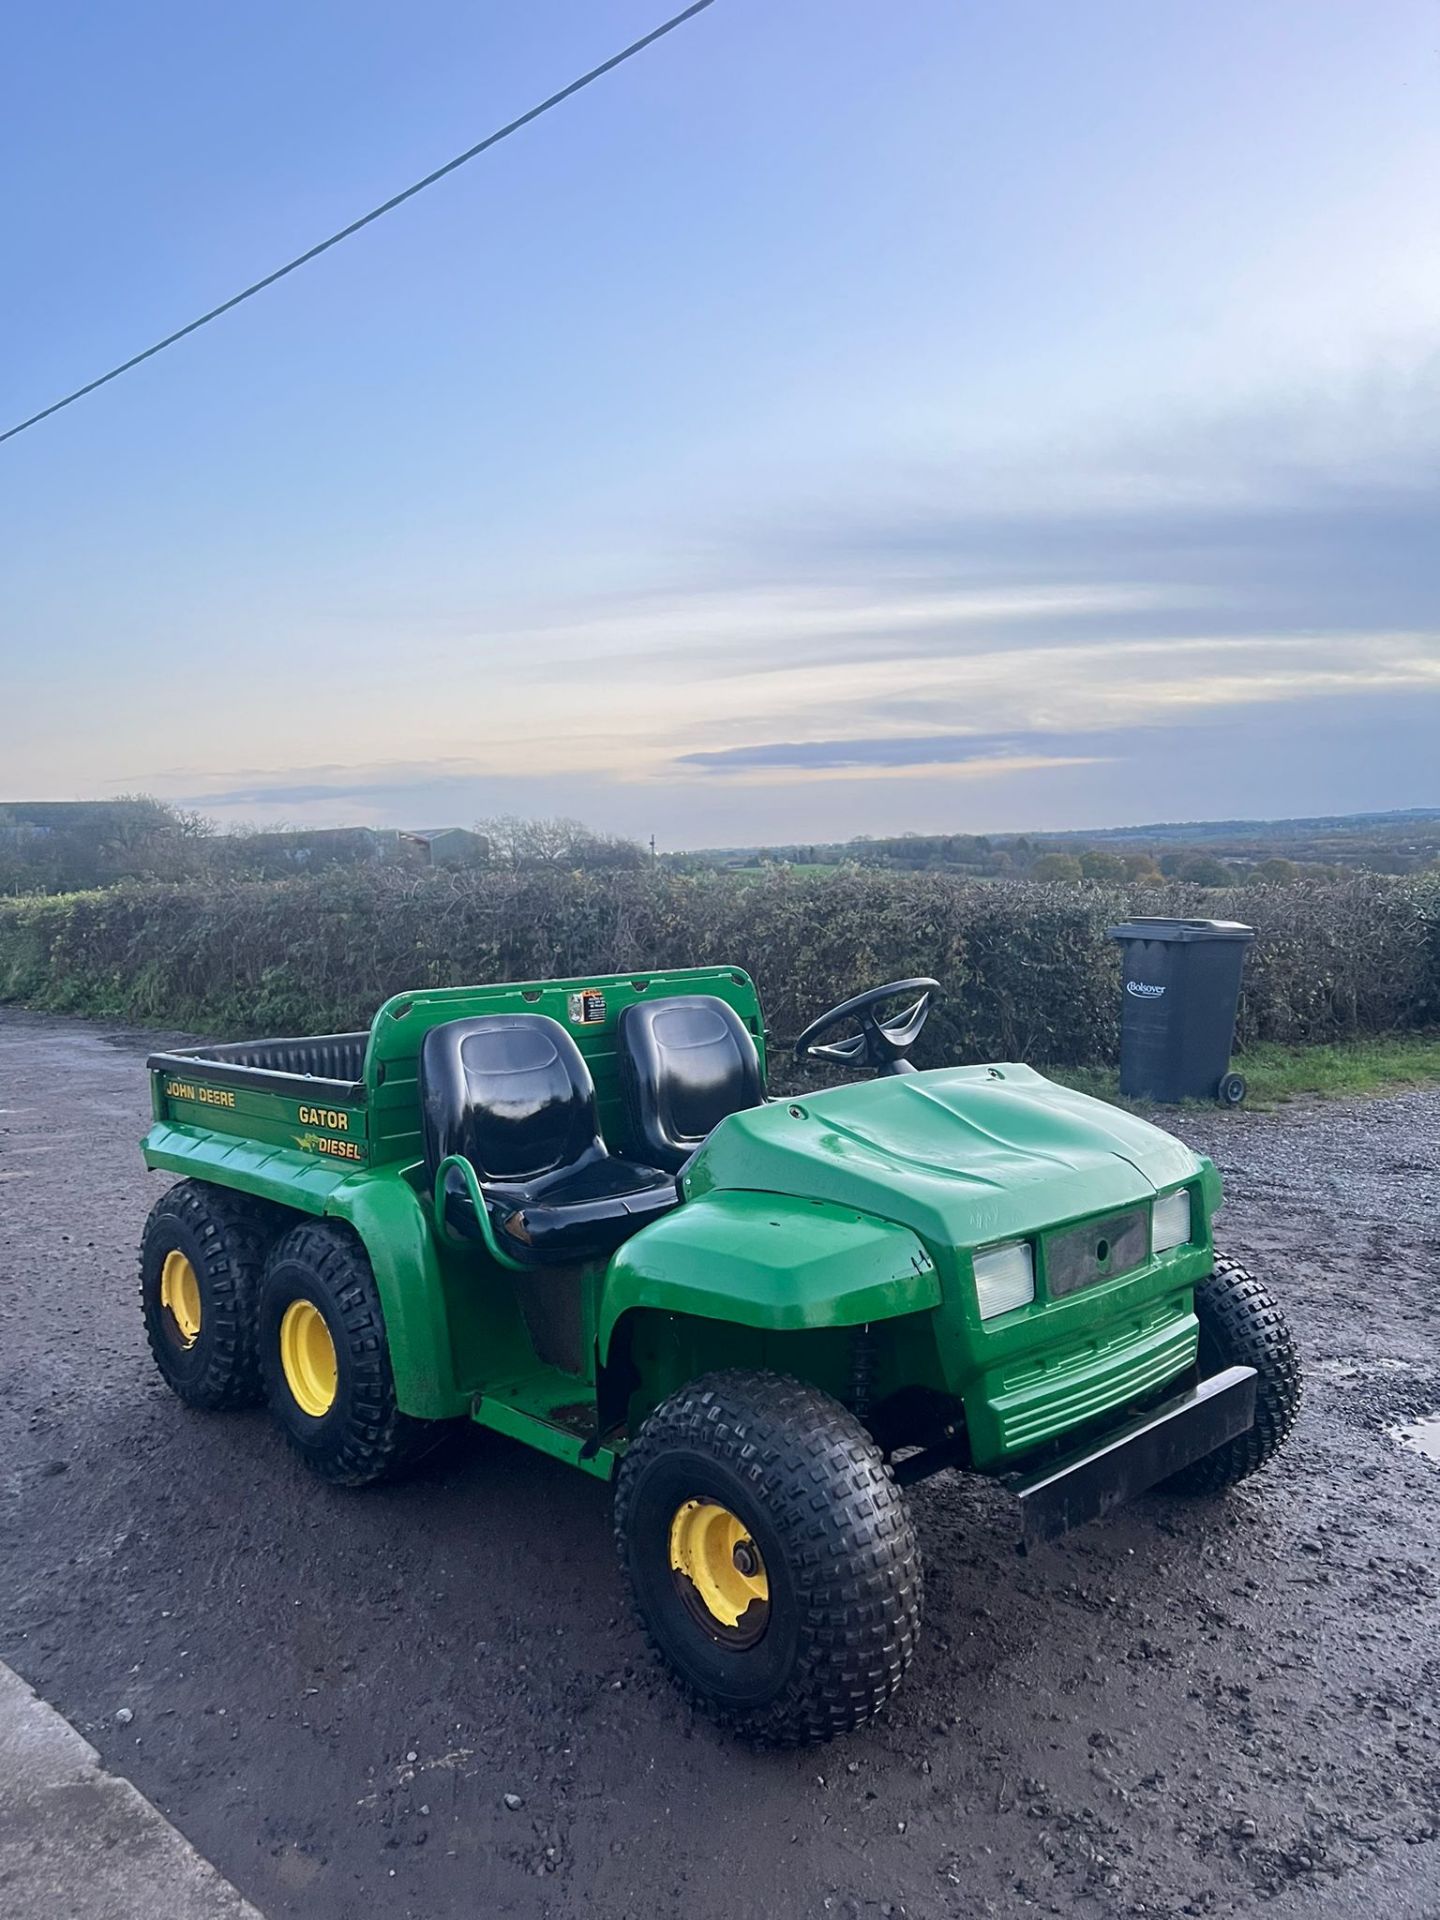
(767, 1260)
(391, 1220)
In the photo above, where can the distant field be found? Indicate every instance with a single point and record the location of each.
(1405, 842)
(813, 870)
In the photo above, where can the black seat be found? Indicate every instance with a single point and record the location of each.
(511, 1094)
(685, 1062)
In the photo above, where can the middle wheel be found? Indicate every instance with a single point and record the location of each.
(326, 1363)
(772, 1555)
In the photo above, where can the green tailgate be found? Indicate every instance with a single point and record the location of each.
(334, 1129)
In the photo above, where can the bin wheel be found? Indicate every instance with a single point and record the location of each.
(772, 1556)
(1232, 1089)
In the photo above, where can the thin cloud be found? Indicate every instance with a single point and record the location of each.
(938, 750)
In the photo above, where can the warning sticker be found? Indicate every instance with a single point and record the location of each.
(587, 1009)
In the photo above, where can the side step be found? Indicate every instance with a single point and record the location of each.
(550, 1410)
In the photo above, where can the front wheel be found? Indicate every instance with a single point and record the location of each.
(1242, 1326)
(772, 1556)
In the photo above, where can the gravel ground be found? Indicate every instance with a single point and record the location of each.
(1210, 1708)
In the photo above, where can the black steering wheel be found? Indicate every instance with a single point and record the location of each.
(881, 1044)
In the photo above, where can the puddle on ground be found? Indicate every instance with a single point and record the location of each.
(1423, 1436)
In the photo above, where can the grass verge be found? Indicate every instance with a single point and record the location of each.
(1342, 1069)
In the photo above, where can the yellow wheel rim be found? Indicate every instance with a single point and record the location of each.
(718, 1565)
(180, 1296)
(307, 1355)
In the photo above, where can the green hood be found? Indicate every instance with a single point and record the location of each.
(963, 1156)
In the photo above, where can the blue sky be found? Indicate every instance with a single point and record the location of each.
(847, 417)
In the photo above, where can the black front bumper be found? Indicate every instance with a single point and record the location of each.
(1087, 1484)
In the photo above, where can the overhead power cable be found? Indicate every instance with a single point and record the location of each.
(388, 206)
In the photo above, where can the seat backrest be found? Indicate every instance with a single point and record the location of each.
(510, 1092)
(685, 1062)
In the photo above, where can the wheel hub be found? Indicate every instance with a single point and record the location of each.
(719, 1572)
(307, 1356)
(180, 1296)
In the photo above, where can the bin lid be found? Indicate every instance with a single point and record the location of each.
(1157, 927)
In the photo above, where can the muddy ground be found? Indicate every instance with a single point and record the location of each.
(1193, 1709)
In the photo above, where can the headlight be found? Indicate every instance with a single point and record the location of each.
(1171, 1226)
(1004, 1278)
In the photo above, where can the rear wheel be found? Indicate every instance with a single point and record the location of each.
(1231, 1090)
(326, 1363)
(1242, 1326)
(772, 1556)
(201, 1261)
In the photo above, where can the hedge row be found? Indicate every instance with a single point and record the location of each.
(1028, 970)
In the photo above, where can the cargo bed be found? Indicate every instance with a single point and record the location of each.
(335, 1059)
(307, 1092)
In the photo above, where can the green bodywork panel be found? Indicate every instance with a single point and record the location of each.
(859, 1207)
(769, 1260)
(968, 1157)
(285, 1175)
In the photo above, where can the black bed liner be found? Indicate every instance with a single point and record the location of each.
(327, 1064)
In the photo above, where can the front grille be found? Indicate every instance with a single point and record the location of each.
(1096, 1250)
(1063, 1392)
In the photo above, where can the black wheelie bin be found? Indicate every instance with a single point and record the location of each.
(1177, 1022)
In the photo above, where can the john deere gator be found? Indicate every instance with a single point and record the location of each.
(567, 1210)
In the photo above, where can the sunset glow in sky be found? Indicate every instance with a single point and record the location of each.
(846, 418)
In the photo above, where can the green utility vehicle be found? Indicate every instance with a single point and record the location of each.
(569, 1212)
